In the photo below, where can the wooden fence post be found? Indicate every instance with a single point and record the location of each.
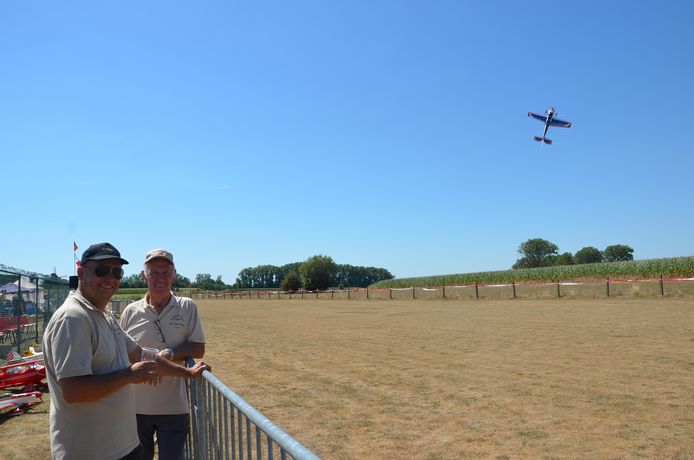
(477, 291)
(413, 291)
(662, 289)
(558, 291)
(443, 289)
(607, 286)
(390, 293)
(367, 292)
(513, 283)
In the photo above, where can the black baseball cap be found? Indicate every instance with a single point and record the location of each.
(101, 251)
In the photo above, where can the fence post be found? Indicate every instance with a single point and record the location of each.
(367, 292)
(443, 289)
(332, 294)
(390, 293)
(278, 294)
(513, 284)
(607, 286)
(477, 291)
(662, 289)
(36, 311)
(302, 294)
(558, 291)
(316, 293)
(413, 289)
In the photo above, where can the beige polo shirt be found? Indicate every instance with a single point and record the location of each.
(179, 323)
(82, 340)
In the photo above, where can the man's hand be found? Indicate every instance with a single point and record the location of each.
(197, 370)
(144, 371)
(166, 353)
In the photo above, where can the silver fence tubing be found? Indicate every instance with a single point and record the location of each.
(224, 426)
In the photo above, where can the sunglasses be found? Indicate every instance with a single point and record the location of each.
(103, 270)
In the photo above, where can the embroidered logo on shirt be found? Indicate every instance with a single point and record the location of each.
(177, 322)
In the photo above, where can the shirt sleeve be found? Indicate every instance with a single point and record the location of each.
(130, 343)
(72, 346)
(195, 332)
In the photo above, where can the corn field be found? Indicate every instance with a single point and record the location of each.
(632, 269)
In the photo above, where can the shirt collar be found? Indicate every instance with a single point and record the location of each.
(172, 300)
(83, 302)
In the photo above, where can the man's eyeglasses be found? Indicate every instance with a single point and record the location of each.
(161, 333)
(103, 270)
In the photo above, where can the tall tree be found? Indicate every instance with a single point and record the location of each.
(133, 281)
(291, 282)
(318, 272)
(536, 252)
(204, 281)
(564, 259)
(181, 281)
(618, 252)
(588, 255)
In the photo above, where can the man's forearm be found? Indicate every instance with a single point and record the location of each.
(170, 368)
(87, 388)
(189, 349)
(166, 367)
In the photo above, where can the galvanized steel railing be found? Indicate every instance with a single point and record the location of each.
(224, 426)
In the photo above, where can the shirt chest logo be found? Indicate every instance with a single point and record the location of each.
(177, 322)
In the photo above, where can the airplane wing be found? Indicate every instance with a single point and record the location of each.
(542, 118)
(556, 123)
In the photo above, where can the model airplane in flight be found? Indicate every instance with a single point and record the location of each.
(548, 120)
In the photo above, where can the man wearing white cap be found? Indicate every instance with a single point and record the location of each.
(170, 324)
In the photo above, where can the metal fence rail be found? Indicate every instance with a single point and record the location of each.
(224, 426)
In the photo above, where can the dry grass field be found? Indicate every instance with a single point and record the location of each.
(453, 379)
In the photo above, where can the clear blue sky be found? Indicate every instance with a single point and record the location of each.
(381, 133)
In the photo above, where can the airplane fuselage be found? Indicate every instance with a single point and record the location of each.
(549, 120)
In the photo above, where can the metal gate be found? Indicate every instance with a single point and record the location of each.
(224, 426)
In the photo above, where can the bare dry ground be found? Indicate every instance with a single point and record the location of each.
(452, 379)
(465, 379)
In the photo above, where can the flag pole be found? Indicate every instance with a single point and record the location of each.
(74, 258)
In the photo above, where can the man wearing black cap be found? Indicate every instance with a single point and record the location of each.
(90, 361)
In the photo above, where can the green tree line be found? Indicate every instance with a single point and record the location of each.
(317, 272)
(202, 281)
(537, 252)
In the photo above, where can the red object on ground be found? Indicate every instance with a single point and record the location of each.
(27, 374)
(18, 403)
